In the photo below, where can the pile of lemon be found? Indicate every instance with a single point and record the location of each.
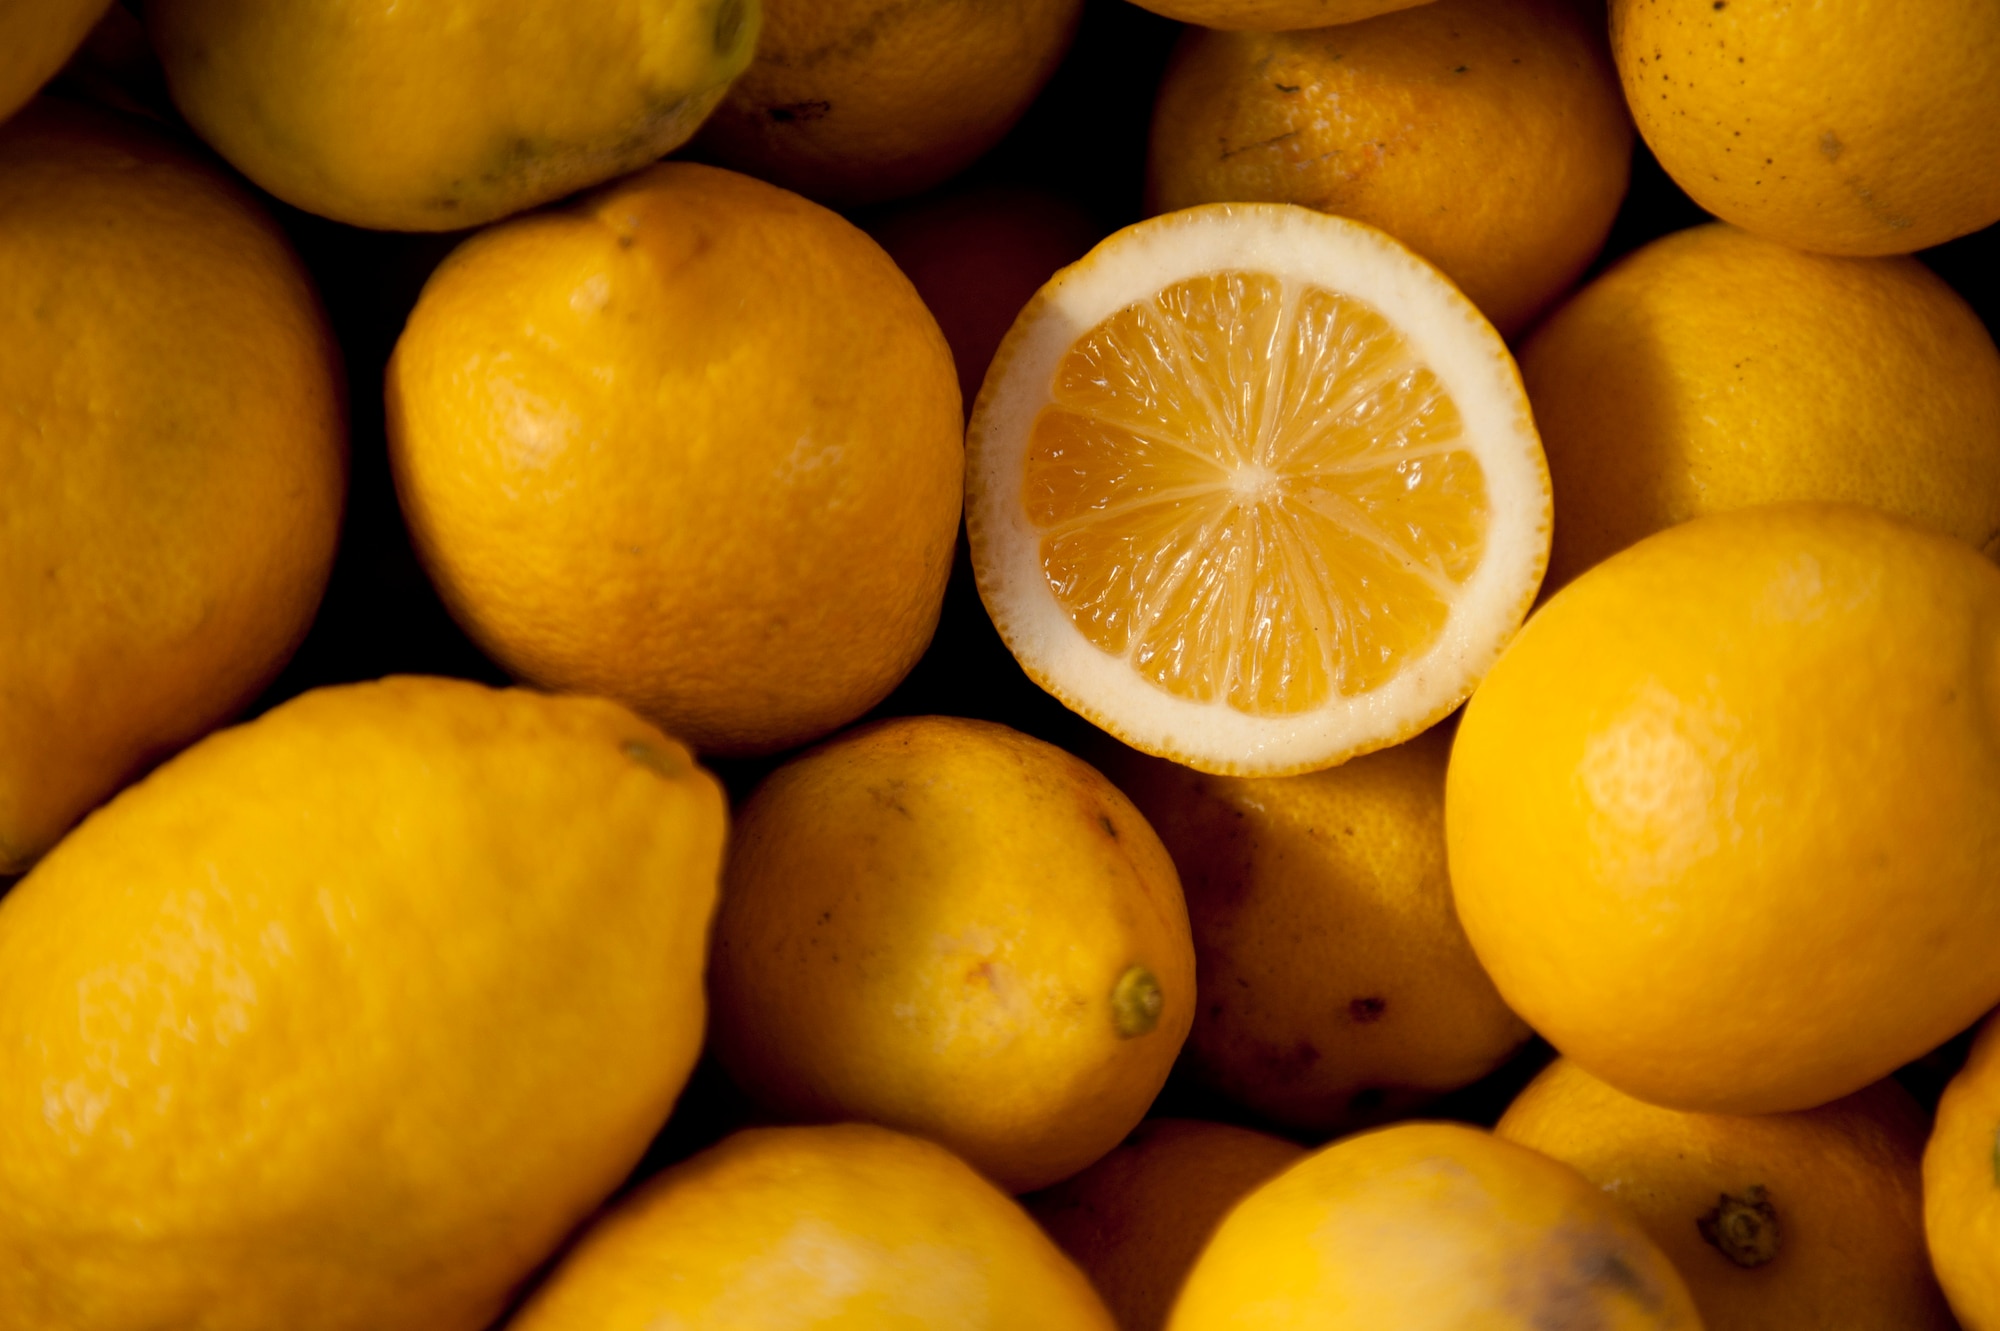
(1469, 656)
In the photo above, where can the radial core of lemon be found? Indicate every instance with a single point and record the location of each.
(1255, 488)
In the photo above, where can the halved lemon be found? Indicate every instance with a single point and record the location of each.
(1255, 489)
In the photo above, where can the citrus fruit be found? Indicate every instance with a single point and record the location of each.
(950, 928)
(856, 101)
(976, 255)
(36, 36)
(1255, 489)
(1811, 1218)
(431, 117)
(342, 1019)
(1136, 1220)
(1713, 369)
(1487, 135)
(174, 455)
(1271, 15)
(1336, 986)
(1429, 1226)
(1961, 1175)
(740, 527)
(1724, 822)
(1862, 128)
(850, 1226)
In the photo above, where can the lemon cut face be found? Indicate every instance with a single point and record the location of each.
(1255, 489)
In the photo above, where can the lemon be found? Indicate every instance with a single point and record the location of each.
(1489, 136)
(1714, 369)
(1724, 822)
(1337, 988)
(1255, 489)
(1867, 127)
(36, 36)
(1961, 1185)
(343, 1019)
(846, 1228)
(1811, 1218)
(174, 448)
(1136, 1220)
(431, 117)
(953, 929)
(1431, 1227)
(1273, 15)
(738, 526)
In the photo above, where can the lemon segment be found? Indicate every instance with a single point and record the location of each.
(1255, 488)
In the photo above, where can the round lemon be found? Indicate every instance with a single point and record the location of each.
(431, 117)
(1866, 127)
(950, 928)
(856, 101)
(1724, 822)
(174, 452)
(36, 36)
(843, 1228)
(740, 527)
(1255, 489)
(1812, 1218)
(343, 1019)
(1487, 135)
(1714, 370)
(1136, 1220)
(1272, 15)
(1431, 1227)
(1337, 988)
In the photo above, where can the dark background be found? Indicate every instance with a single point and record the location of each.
(1084, 138)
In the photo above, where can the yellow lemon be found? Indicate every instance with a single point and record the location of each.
(430, 117)
(1714, 370)
(950, 928)
(855, 101)
(1724, 822)
(36, 36)
(1812, 1218)
(1962, 1186)
(1866, 127)
(1255, 489)
(1487, 135)
(174, 455)
(1431, 1227)
(845, 1228)
(1336, 985)
(1272, 15)
(740, 527)
(1136, 1220)
(343, 1019)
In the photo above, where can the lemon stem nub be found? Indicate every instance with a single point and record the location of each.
(1743, 1229)
(1136, 1001)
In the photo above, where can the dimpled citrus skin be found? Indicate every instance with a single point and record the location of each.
(1337, 988)
(856, 101)
(1431, 1227)
(342, 1019)
(1713, 370)
(846, 1228)
(1867, 127)
(739, 527)
(941, 925)
(1724, 821)
(431, 117)
(1962, 1186)
(36, 36)
(1487, 135)
(1816, 1216)
(174, 453)
(1136, 1220)
(1271, 15)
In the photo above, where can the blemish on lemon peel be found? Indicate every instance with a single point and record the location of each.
(1743, 1229)
(1136, 1002)
(654, 758)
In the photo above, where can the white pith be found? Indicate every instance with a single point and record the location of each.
(1299, 247)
